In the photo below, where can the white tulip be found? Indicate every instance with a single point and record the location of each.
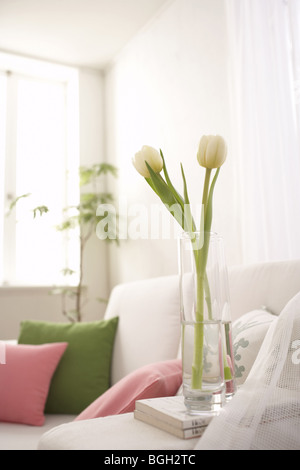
(149, 155)
(212, 151)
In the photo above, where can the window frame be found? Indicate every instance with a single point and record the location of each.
(16, 68)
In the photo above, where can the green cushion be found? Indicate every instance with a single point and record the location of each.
(84, 371)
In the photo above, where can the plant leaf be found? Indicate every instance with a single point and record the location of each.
(162, 189)
(105, 168)
(151, 185)
(190, 224)
(178, 197)
(41, 209)
(68, 272)
(69, 223)
(88, 174)
(15, 201)
(167, 196)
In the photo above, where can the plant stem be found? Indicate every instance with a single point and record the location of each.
(205, 190)
(202, 285)
(197, 366)
(79, 285)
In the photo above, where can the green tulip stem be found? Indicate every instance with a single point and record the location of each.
(202, 289)
(197, 366)
(205, 191)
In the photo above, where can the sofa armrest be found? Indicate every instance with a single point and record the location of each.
(120, 432)
(149, 323)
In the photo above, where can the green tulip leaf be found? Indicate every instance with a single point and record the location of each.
(190, 224)
(178, 197)
(161, 188)
(149, 181)
(166, 195)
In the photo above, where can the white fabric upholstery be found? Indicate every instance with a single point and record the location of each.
(149, 323)
(111, 434)
(271, 285)
(23, 437)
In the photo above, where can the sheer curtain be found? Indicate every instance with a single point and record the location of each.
(264, 40)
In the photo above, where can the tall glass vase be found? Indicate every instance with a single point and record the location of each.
(207, 361)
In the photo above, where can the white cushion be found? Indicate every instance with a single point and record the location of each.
(121, 432)
(149, 323)
(248, 333)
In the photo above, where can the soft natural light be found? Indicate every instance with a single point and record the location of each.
(40, 170)
(41, 161)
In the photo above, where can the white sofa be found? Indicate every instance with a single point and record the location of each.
(148, 332)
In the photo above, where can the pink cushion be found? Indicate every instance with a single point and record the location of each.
(161, 379)
(25, 381)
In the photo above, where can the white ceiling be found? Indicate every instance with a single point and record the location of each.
(86, 33)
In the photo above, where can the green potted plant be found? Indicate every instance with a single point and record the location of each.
(84, 217)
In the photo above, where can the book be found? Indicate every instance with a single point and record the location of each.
(173, 411)
(158, 423)
(171, 415)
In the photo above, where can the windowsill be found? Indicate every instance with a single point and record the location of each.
(29, 289)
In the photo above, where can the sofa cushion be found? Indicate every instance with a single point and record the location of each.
(248, 333)
(121, 432)
(84, 372)
(161, 379)
(25, 379)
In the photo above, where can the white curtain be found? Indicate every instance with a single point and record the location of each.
(264, 45)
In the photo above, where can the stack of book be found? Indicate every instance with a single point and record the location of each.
(170, 414)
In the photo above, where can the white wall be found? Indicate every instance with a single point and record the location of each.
(166, 89)
(91, 125)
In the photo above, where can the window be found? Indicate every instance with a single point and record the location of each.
(38, 156)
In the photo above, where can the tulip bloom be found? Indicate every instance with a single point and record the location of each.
(212, 151)
(152, 157)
